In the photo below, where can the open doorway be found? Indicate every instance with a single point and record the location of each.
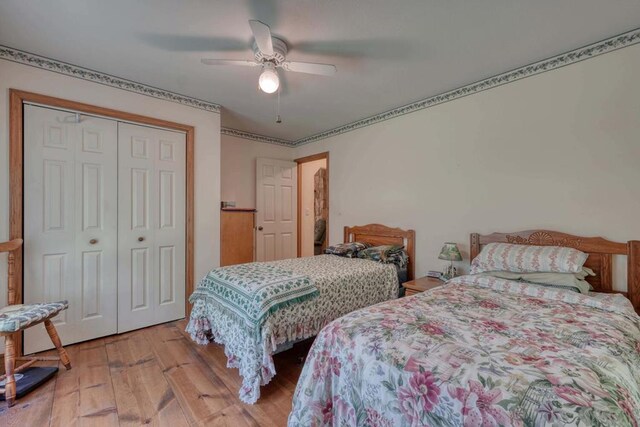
(313, 204)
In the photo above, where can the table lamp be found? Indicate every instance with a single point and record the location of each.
(450, 252)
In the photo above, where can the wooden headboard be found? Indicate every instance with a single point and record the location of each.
(378, 234)
(601, 252)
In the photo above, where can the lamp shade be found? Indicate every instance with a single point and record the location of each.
(450, 252)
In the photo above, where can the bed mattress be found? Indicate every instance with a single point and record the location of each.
(477, 351)
(344, 285)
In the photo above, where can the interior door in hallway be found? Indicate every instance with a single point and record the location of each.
(151, 226)
(70, 218)
(276, 203)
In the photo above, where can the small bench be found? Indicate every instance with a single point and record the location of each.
(18, 317)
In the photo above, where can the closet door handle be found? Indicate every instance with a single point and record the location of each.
(260, 228)
(140, 239)
(93, 241)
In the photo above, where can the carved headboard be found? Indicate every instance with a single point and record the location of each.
(378, 234)
(600, 260)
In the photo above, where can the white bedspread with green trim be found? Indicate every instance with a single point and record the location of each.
(250, 292)
(344, 285)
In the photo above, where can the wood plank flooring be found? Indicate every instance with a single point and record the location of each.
(155, 376)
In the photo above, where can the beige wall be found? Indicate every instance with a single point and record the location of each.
(238, 169)
(308, 170)
(560, 150)
(207, 148)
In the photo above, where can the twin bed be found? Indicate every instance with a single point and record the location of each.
(254, 322)
(481, 350)
(485, 351)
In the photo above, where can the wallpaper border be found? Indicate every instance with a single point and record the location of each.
(256, 137)
(608, 45)
(571, 57)
(60, 67)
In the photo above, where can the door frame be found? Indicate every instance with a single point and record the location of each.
(300, 161)
(17, 98)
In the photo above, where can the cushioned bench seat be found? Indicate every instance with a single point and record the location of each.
(14, 318)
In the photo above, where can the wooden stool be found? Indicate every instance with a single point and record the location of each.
(17, 317)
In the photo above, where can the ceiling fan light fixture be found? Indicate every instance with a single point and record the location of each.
(269, 80)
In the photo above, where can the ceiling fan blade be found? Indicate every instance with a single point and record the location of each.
(262, 34)
(229, 62)
(310, 68)
(183, 43)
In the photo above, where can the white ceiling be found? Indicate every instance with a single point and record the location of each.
(388, 53)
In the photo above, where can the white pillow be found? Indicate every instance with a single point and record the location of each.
(528, 259)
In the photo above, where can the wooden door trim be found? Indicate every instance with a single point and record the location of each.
(16, 169)
(300, 161)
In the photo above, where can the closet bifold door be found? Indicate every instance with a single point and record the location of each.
(70, 222)
(151, 226)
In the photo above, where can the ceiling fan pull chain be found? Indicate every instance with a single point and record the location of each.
(278, 119)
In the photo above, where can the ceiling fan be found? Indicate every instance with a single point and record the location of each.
(270, 53)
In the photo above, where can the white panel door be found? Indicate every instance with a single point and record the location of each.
(151, 226)
(70, 218)
(276, 203)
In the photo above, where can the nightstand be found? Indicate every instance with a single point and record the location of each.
(420, 285)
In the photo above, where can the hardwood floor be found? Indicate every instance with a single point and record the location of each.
(155, 376)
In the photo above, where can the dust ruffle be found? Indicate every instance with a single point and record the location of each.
(205, 328)
(200, 330)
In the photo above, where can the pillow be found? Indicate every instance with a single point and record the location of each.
(388, 254)
(528, 259)
(571, 281)
(349, 250)
(586, 271)
(400, 259)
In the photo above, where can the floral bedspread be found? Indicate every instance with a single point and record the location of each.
(344, 285)
(476, 352)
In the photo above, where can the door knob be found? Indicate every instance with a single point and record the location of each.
(141, 239)
(93, 241)
(260, 228)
